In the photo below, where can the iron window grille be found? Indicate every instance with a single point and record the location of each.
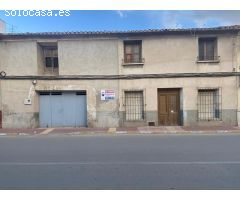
(209, 104)
(133, 51)
(134, 105)
(207, 49)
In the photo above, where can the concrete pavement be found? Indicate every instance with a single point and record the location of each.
(121, 130)
(204, 161)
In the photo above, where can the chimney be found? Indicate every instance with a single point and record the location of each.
(2, 26)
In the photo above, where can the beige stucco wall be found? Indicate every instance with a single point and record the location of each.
(237, 53)
(163, 54)
(88, 57)
(76, 57)
(40, 60)
(18, 57)
(178, 54)
(106, 113)
(95, 56)
(17, 115)
(189, 86)
(189, 92)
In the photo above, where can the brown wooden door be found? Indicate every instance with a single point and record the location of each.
(168, 107)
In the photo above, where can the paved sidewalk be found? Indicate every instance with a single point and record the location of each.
(122, 130)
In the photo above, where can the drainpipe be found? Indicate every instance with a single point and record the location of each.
(2, 75)
(2, 30)
(1, 103)
(237, 53)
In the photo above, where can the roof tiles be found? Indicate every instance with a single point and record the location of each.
(234, 28)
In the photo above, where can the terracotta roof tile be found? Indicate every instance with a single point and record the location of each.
(112, 33)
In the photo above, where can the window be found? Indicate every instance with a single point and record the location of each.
(51, 57)
(207, 48)
(209, 104)
(81, 93)
(133, 51)
(50, 93)
(134, 105)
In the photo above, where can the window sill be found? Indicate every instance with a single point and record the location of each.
(132, 64)
(210, 120)
(208, 61)
(139, 120)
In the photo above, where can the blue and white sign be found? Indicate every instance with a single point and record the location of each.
(107, 95)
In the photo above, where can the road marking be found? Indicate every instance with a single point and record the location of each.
(23, 134)
(145, 131)
(48, 130)
(125, 163)
(121, 132)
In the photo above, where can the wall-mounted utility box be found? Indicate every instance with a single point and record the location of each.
(27, 101)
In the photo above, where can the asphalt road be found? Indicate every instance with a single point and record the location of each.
(120, 162)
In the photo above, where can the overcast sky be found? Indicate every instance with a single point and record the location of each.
(121, 20)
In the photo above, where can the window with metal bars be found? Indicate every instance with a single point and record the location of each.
(134, 106)
(209, 105)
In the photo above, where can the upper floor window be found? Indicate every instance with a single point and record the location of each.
(133, 51)
(50, 56)
(207, 49)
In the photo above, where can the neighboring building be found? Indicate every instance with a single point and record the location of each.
(2, 26)
(109, 79)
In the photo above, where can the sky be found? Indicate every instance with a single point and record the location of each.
(80, 20)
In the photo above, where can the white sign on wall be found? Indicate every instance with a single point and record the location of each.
(107, 95)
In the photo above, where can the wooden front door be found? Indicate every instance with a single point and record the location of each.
(168, 107)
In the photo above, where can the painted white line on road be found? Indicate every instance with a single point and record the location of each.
(23, 134)
(125, 163)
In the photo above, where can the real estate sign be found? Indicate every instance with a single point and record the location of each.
(107, 95)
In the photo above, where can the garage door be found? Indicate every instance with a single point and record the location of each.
(63, 109)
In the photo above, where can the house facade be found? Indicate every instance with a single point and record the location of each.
(169, 77)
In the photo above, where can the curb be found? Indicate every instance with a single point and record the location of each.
(114, 132)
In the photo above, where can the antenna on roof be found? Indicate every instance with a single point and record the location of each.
(12, 28)
(193, 33)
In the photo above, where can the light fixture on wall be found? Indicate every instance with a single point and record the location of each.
(34, 82)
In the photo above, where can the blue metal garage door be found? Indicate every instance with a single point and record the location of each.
(63, 109)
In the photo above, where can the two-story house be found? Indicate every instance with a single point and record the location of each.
(131, 78)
